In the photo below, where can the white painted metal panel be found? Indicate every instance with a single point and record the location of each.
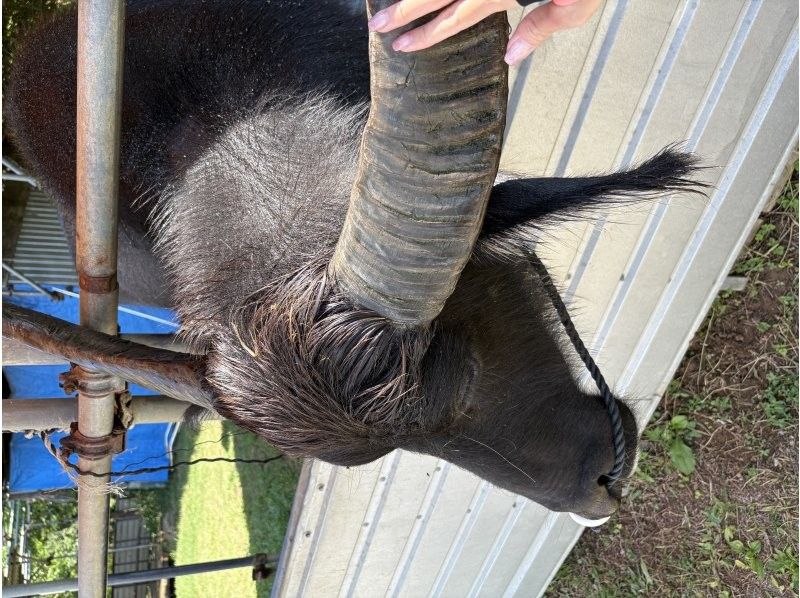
(719, 75)
(403, 503)
(450, 524)
(488, 525)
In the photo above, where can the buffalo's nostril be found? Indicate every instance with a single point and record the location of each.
(616, 488)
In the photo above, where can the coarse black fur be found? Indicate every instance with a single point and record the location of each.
(191, 70)
(241, 123)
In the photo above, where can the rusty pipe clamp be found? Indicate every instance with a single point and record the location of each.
(94, 385)
(93, 448)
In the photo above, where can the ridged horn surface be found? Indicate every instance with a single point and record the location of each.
(428, 159)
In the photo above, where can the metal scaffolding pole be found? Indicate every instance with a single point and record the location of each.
(22, 178)
(262, 565)
(52, 294)
(21, 415)
(99, 94)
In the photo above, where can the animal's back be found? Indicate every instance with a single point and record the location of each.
(192, 70)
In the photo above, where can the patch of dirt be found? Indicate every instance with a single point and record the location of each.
(728, 528)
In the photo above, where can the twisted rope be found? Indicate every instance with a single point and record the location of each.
(618, 436)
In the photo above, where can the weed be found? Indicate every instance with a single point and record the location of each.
(647, 468)
(784, 563)
(789, 300)
(674, 437)
(718, 512)
(746, 554)
(764, 231)
(770, 250)
(789, 198)
(720, 404)
(719, 306)
(781, 349)
(780, 399)
(789, 202)
(752, 472)
(756, 444)
(676, 391)
(645, 573)
(751, 265)
(713, 406)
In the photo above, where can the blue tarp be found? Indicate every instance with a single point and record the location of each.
(32, 468)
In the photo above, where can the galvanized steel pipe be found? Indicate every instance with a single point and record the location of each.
(20, 415)
(56, 296)
(21, 178)
(137, 577)
(99, 94)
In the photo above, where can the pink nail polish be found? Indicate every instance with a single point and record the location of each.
(402, 42)
(378, 21)
(517, 51)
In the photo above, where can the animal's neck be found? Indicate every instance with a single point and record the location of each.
(267, 196)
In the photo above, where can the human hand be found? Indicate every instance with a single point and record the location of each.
(535, 28)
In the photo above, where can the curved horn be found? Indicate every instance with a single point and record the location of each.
(178, 375)
(428, 159)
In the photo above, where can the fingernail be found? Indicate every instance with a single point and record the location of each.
(517, 51)
(402, 42)
(378, 21)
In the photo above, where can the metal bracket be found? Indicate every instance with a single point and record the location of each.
(263, 566)
(98, 285)
(124, 410)
(94, 448)
(90, 383)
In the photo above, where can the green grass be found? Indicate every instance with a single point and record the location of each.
(227, 510)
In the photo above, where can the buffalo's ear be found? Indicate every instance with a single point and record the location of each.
(527, 205)
(177, 375)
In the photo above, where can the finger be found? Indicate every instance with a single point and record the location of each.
(543, 22)
(573, 13)
(402, 13)
(455, 18)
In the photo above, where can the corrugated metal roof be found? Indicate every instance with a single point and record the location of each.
(42, 252)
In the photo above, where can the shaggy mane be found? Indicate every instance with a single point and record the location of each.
(311, 373)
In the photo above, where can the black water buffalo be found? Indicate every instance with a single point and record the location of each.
(353, 278)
